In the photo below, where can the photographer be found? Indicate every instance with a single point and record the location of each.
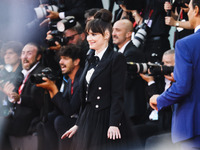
(157, 123)
(74, 35)
(153, 15)
(67, 100)
(66, 8)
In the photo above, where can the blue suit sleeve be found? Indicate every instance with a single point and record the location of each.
(183, 72)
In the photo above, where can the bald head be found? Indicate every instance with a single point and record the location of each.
(122, 31)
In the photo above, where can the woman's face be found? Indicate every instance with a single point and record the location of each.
(97, 41)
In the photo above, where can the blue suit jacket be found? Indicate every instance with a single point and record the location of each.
(185, 92)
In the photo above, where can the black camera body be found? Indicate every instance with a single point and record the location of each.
(57, 29)
(57, 36)
(155, 69)
(46, 72)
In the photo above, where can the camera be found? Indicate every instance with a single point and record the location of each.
(57, 29)
(57, 36)
(5, 71)
(140, 34)
(46, 72)
(155, 69)
(132, 4)
(41, 11)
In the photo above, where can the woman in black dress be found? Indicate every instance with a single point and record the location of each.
(101, 123)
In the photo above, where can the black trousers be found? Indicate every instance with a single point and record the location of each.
(62, 124)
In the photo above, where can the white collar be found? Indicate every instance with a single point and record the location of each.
(26, 72)
(121, 50)
(197, 28)
(100, 55)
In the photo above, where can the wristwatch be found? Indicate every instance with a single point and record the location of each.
(177, 24)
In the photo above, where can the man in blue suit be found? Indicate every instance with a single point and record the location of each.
(185, 91)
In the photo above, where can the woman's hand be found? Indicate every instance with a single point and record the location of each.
(70, 132)
(113, 133)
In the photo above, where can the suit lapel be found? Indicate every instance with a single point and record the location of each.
(102, 64)
(82, 78)
(127, 47)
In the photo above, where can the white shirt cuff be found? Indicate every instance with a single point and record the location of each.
(10, 99)
(62, 15)
(151, 82)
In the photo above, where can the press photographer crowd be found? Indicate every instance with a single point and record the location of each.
(75, 75)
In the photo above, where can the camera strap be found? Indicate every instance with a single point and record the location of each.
(149, 17)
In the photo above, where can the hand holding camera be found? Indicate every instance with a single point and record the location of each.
(48, 85)
(170, 77)
(57, 45)
(147, 78)
(52, 14)
(46, 80)
(57, 30)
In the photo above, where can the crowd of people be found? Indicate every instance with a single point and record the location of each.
(82, 77)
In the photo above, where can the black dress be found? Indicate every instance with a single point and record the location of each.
(102, 106)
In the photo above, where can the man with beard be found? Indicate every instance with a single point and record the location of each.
(28, 101)
(135, 103)
(67, 100)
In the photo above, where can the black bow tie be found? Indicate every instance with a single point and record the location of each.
(93, 62)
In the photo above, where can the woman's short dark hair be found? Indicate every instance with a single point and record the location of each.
(14, 45)
(101, 22)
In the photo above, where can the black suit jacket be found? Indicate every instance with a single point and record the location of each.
(135, 103)
(27, 113)
(66, 103)
(106, 87)
(164, 115)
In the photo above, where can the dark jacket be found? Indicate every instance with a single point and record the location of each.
(27, 114)
(105, 89)
(135, 103)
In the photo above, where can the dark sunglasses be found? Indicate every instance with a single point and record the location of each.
(71, 37)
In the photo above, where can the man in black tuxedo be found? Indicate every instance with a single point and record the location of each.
(29, 100)
(135, 103)
(67, 100)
